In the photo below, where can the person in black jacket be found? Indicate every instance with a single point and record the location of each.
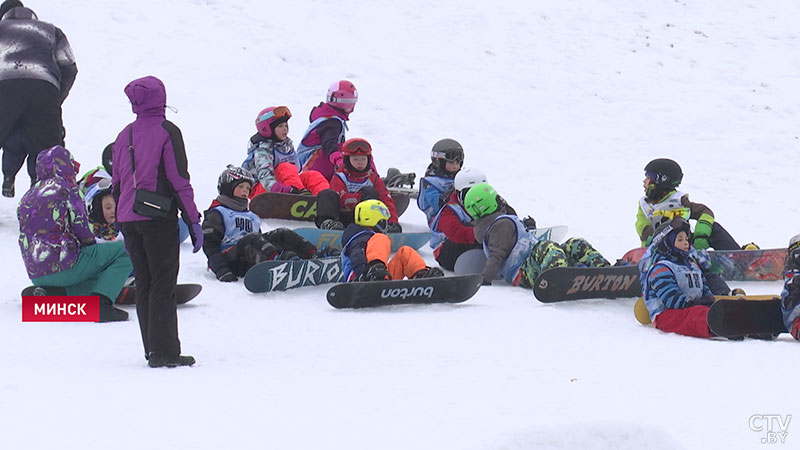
(232, 238)
(37, 71)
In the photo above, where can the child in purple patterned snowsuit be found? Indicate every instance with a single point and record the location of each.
(58, 246)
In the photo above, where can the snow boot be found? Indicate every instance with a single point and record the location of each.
(108, 313)
(170, 361)
(8, 186)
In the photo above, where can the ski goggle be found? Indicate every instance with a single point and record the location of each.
(450, 155)
(358, 147)
(279, 112)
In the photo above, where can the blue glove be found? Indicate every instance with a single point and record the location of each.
(196, 233)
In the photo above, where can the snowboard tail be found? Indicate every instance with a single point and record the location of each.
(368, 294)
(271, 276)
(741, 318)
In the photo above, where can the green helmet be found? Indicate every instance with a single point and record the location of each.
(480, 201)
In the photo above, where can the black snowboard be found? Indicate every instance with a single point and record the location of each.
(575, 283)
(403, 292)
(183, 293)
(271, 276)
(741, 318)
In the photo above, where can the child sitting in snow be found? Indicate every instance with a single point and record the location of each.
(271, 157)
(356, 182)
(100, 205)
(365, 252)
(319, 148)
(232, 238)
(675, 290)
(441, 198)
(662, 202)
(511, 250)
(790, 297)
(435, 187)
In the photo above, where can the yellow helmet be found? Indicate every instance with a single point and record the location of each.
(372, 213)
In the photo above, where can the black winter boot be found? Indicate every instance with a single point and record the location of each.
(170, 361)
(110, 314)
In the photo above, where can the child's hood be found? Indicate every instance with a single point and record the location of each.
(56, 162)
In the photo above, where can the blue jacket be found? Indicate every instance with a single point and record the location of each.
(673, 282)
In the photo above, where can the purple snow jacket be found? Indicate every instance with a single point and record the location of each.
(159, 154)
(53, 224)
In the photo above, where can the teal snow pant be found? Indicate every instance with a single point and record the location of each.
(100, 269)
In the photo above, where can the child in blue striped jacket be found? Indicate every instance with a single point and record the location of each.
(676, 292)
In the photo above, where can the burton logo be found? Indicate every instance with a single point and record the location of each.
(406, 292)
(604, 283)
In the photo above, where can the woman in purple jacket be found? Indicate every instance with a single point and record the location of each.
(153, 147)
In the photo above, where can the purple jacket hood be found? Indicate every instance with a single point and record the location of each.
(148, 96)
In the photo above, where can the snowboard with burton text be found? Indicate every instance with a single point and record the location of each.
(271, 276)
(366, 294)
(575, 283)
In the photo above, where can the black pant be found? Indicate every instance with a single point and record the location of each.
(15, 148)
(33, 106)
(450, 251)
(720, 239)
(153, 247)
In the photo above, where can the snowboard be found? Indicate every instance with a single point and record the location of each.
(575, 283)
(368, 294)
(333, 238)
(271, 276)
(739, 318)
(735, 265)
(473, 261)
(272, 205)
(642, 314)
(183, 293)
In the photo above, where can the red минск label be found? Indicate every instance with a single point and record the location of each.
(61, 308)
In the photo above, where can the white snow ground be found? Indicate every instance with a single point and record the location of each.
(562, 103)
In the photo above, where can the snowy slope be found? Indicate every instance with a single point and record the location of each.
(561, 103)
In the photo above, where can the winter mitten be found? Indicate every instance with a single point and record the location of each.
(196, 233)
(376, 271)
(336, 160)
(702, 231)
(529, 222)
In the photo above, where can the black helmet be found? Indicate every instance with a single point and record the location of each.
(666, 175)
(664, 236)
(446, 150)
(231, 177)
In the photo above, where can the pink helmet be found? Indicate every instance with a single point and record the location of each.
(342, 95)
(271, 117)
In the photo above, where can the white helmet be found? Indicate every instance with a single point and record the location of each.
(466, 178)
